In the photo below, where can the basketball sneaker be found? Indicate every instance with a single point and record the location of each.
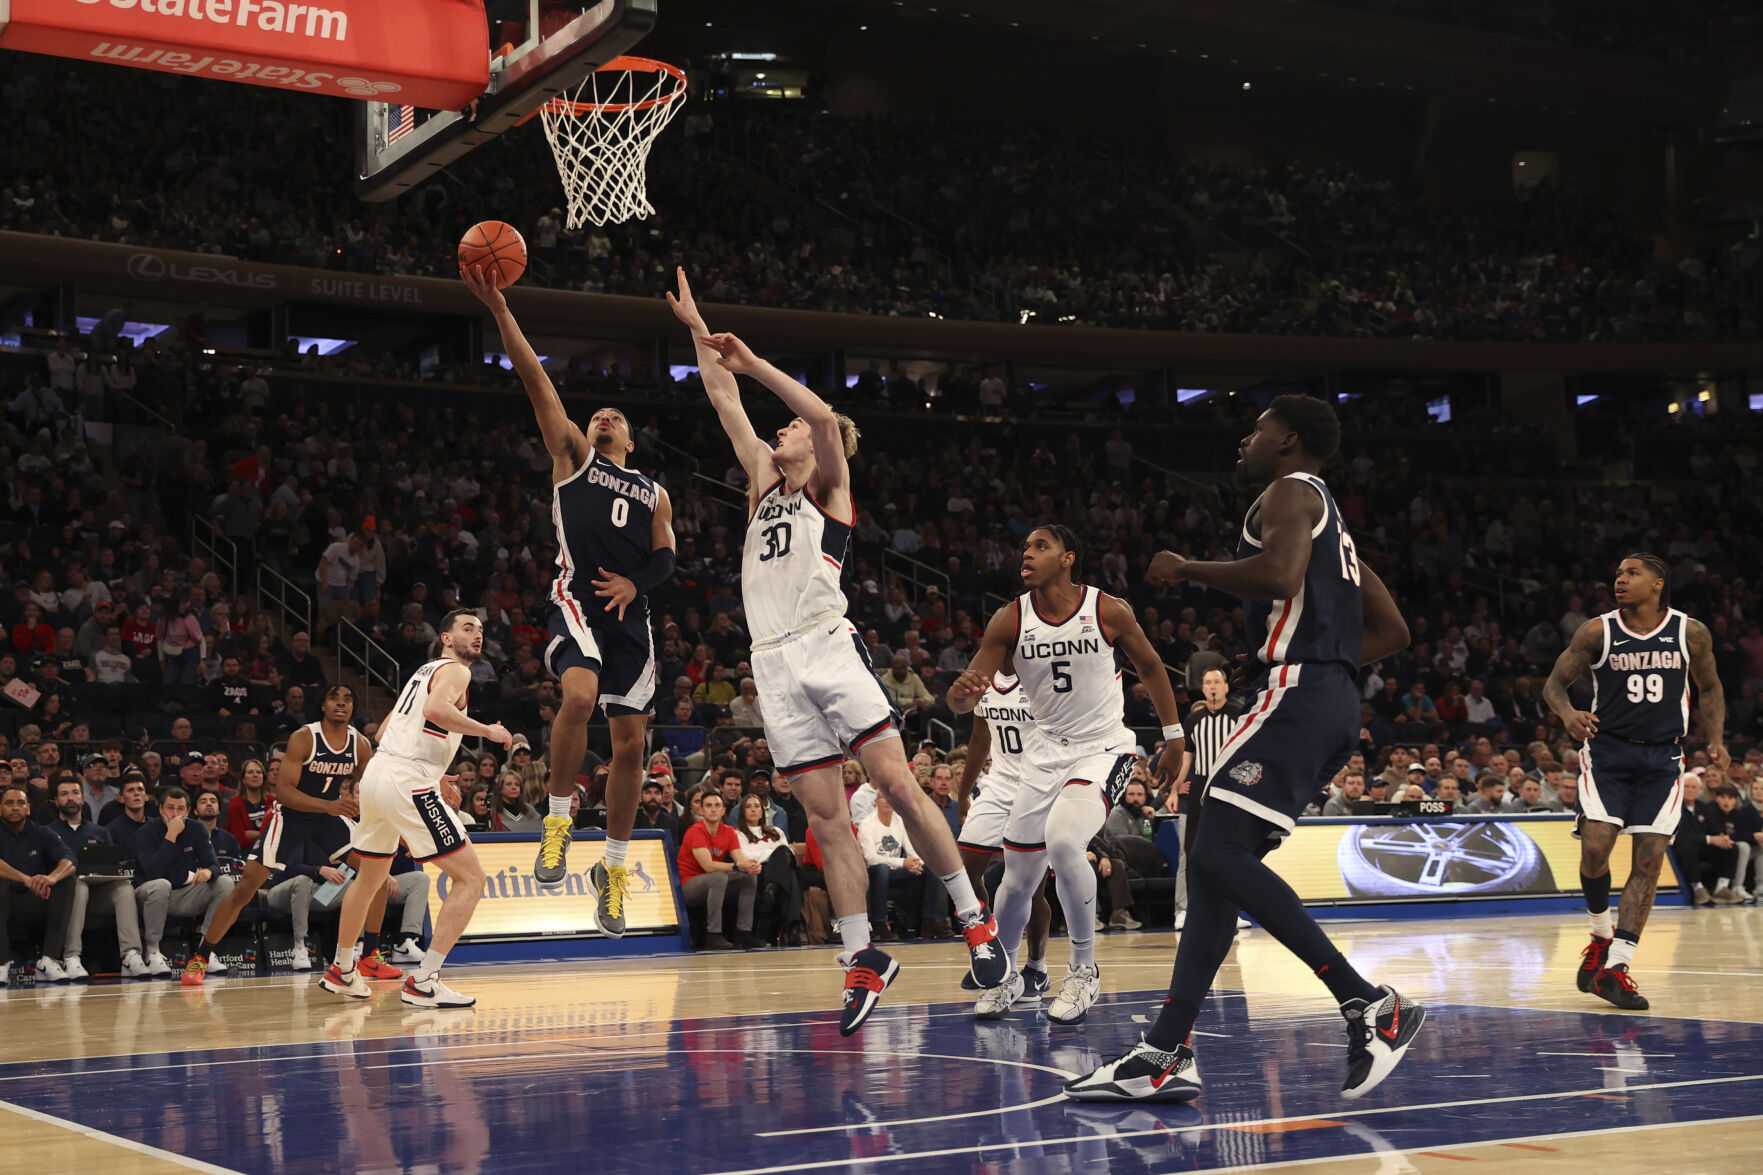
(1615, 985)
(49, 970)
(866, 976)
(611, 885)
(1077, 992)
(988, 962)
(195, 971)
(377, 966)
(74, 968)
(216, 965)
(1591, 961)
(1035, 985)
(134, 966)
(300, 959)
(552, 865)
(432, 993)
(158, 964)
(351, 984)
(408, 950)
(1145, 1073)
(994, 1003)
(1378, 1035)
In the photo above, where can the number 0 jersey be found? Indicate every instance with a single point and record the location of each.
(407, 734)
(603, 515)
(1641, 684)
(791, 563)
(1067, 670)
(1006, 714)
(1325, 621)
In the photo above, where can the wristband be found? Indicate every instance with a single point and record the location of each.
(1172, 731)
(657, 571)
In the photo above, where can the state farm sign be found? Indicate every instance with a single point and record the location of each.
(428, 53)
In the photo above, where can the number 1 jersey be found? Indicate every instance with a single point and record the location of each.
(790, 566)
(1641, 685)
(603, 515)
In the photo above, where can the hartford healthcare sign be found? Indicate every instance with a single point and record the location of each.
(428, 53)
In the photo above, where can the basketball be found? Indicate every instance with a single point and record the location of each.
(496, 246)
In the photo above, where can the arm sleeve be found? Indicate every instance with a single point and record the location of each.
(657, 571)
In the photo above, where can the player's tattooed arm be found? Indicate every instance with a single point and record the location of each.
(1386, 632)
(1711, 695)
(725, 394)
(1587, 646)
(993, 654)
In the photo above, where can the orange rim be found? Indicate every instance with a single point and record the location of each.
(624, 65)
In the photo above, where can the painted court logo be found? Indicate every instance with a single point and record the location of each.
(1247, 774)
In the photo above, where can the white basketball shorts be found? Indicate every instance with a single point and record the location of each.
(401, 801)
(1050, 766)
(820, 696)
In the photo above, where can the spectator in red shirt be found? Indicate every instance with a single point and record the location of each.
(140, 637)
(32, 635)
(247, 810)
(710, 864)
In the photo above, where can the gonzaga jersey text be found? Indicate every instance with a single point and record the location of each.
(1325, 621)
(603, 516)
(1641, 685)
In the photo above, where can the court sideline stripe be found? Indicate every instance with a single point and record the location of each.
(1207, 1127)
(127, 1144)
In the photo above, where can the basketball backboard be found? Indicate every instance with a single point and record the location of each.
(397, 147)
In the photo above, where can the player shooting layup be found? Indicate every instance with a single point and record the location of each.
(614, 541)
(819, 693)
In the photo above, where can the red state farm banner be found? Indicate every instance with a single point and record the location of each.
(428, 53)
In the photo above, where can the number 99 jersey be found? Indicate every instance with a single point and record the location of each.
(790, 566)
(1641, 685)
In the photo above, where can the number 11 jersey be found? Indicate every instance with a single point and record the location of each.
(790, 566)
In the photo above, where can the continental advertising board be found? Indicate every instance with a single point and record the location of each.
(1412, 860)
(515, 908)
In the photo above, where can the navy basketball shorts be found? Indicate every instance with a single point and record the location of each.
(1636, 786)
(1298, 731)
(621, 652)
(287, 833)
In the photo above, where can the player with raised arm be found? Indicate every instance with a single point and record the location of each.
(1059, 639)
(1314, 614)
(406, 795)
(1642, 658)
(990, 779)
(819, 693)
(614, 542)
(308, 797)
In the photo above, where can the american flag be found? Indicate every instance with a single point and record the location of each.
(400, 121)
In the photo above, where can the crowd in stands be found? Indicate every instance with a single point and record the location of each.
(961, 220)
(125, 652)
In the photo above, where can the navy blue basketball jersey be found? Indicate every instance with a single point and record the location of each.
(324, 771)
(602, 515)
(1325, 621)
(1641, 685)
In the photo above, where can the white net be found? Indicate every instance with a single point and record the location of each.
(601, 134)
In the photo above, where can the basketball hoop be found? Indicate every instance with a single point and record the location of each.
(601, 134)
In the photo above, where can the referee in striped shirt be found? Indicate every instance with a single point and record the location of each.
(1206, 729)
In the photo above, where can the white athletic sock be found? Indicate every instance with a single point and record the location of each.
(614, 852)
(559, 807)
(1621, 951)
(1602, 924)
(1039, 964)
(345, 959)
(431, 964)
(1723, 883)
(960, 887)
(854, 932)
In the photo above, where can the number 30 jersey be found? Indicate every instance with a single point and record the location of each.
(1068, 673)
(791, 563)
(1325, 622)
(1641, 685)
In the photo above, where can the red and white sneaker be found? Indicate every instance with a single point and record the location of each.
(988, 961)
(430, 992)
(868, 975)
(351, 984)
(375, 966)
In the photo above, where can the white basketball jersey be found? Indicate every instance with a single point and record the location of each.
(1067, 671)
(407, 734)
(1007, 716)
(791, 564)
